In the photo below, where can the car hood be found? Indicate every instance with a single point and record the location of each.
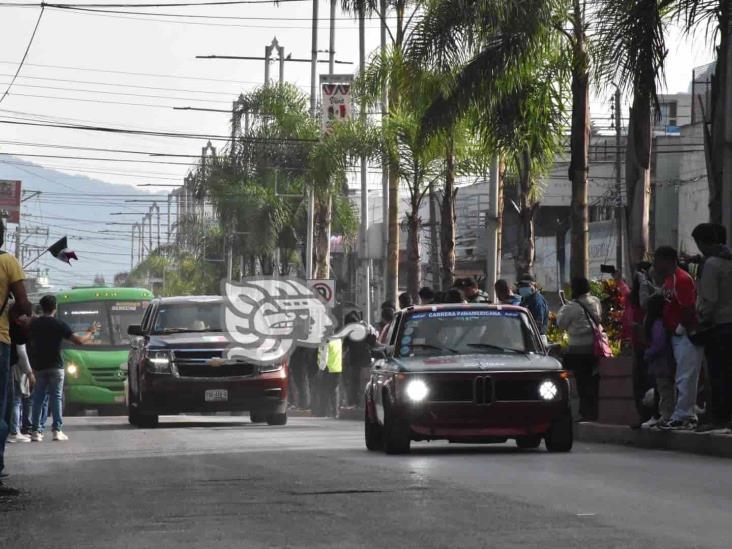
(473, 362)
(190, 340)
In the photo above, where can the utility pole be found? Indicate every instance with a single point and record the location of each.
(365, 261)
(727, 159)
(491, 254)
(385, 163)
(619, 211)
(331, 42)
(135, 227)
(313, 104)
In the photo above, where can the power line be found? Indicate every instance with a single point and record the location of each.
(135, 160)
(162, 5)
(27, 49)
(98, 101)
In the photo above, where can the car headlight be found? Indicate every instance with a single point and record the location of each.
(159, 362)
(548, 390)
(72, 369)
(417, 390)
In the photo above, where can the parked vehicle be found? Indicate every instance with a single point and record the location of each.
(177, 364)
(467, 373)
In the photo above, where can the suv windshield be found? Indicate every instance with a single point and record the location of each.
(189, 317)
(465, 331)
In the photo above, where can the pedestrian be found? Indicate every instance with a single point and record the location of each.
(426, 296)
(714, 305)
(300, 364)
(634, 334)
(23, 378)
(659, 358)
(680, 319)
(47, 333)
(405, 300)
(579, 318)
(453, 295)
(534, 301)
(330, 364)
(470, 290)
(504, 293)
(11, 282)
(356, 358)
(387, 315)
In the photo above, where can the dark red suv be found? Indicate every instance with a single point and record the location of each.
(177, 364)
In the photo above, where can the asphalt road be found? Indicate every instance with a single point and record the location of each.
(222, 482)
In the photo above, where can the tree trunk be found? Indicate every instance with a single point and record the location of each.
(524, 259)
(434, 240)
(638, 178)
(414, 266)
(447, 222)
(579, 147)
(323, 214)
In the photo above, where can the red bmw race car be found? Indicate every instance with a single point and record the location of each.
(470, 374)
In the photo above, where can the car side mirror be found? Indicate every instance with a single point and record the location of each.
(554, 350)
(378, 353)
(134, 330)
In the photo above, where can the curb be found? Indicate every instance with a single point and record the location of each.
(678, 441)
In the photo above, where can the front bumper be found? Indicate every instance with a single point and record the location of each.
(470, 421)
(169, 394)
(92, 395)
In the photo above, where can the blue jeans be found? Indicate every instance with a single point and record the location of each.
(16, 409)
(48, 382)
(5, 389)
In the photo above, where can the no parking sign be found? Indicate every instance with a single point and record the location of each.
(325, 288)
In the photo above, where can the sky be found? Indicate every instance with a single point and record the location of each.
(129, 71)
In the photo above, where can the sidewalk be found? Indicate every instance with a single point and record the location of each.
(719, 445)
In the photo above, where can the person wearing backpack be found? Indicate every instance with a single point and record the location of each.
(580, 318)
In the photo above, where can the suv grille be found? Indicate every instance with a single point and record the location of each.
(205, 370)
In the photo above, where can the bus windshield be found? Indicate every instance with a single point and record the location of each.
(81, 316)
(112, 318)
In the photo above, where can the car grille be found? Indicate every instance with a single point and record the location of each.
(225, 370)
(452, 390)
(195, 363)
(517, 389)
(109, 378)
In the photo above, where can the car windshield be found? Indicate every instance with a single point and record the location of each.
(466, 331)
(189, 317)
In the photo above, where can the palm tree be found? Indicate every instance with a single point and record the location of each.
(508, 59)
(631, 37)
(715, 16)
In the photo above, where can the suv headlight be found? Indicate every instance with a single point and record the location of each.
(159, 362)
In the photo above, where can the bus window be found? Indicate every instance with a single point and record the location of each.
(122, 314)
(81, 316)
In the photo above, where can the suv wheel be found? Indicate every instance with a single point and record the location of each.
(277, 419)
(560, 436)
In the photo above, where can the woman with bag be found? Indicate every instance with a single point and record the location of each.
(581, 319)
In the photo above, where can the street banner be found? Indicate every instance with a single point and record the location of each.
(336, 105)
(325, 288)
(10, 193)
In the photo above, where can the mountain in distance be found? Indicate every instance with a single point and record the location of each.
(79, 207)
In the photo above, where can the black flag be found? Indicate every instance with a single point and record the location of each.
(60, 250)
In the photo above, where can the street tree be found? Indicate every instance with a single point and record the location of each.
(632, 50)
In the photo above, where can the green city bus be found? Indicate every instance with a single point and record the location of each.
(94, 373)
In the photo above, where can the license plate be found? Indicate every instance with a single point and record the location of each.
(120, 398)
(216, 395)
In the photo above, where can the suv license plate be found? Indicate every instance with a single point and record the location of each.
(216, 395)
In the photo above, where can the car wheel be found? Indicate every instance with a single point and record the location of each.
(528, 442)
(277, 419)
(373, 433)
(396, 433)
(257, 417)
(560, 436)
